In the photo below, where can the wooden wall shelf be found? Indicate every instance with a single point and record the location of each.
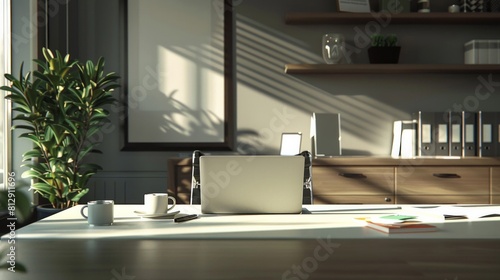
(403, 18)
(392, 69)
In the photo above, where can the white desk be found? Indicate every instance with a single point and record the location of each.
(307, 246)
(340, 223)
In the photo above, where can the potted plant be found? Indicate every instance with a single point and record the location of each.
(384, 49)
(61, 106)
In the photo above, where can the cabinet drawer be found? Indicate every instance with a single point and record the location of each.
(443, 199)
(353, 199)
(179, 179)
(495, 181)
(333, 180)
(443, 181)
(495, 199)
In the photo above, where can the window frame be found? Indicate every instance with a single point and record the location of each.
(6, 108)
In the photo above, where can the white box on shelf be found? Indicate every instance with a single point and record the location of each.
(482, 52)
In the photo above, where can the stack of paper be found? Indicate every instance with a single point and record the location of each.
(454, 212)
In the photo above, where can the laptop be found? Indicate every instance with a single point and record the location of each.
(251, 184)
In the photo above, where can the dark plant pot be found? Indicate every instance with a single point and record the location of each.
(45, 210)
(384, 55)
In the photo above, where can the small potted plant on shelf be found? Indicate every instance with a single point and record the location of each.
(384, 49)
(61, 107)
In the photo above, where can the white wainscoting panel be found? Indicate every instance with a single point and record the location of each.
(125, 187)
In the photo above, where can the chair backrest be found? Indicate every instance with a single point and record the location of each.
(308, 184)
(195, 180)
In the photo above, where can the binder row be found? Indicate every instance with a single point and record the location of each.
(456, 134)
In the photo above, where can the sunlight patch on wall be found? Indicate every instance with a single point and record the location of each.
(178, 77)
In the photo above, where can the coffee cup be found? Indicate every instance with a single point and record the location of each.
(157, 203)
(100, 212)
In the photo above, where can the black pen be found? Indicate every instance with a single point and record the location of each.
(185, 218)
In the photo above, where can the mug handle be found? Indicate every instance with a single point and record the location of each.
(173, 202)
(81, 211)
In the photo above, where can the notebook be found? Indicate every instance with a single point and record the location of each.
(251, 184)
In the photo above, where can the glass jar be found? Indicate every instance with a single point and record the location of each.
(333, 48)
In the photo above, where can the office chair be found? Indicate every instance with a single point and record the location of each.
(195, 178)
(307, 197)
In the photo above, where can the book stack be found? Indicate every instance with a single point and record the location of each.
(397, 224)
(448, 134)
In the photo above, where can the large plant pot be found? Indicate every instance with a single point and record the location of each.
(384, 55)
(45, 210)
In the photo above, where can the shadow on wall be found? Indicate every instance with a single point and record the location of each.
(250, 143)
(174, 112)
(262, 51)
(203, 124)
(261, 54)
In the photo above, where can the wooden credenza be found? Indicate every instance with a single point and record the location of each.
(373, 180)
(179, 179)
(495, 185)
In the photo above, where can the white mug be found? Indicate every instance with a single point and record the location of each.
(157, 203)
(100, 212)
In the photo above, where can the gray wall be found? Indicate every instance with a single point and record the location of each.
(24, 35)
(368, 104)
(270, 102)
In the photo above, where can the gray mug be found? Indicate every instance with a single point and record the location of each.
(100, 212)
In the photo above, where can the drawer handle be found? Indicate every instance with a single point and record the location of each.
(446, 175)
(353, 175)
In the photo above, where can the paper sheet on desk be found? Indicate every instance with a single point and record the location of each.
(328, 209)
(454, 212)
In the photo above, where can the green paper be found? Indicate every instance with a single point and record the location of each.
(398, 217)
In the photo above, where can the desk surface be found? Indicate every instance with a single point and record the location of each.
(322, 245)
(332, 221)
